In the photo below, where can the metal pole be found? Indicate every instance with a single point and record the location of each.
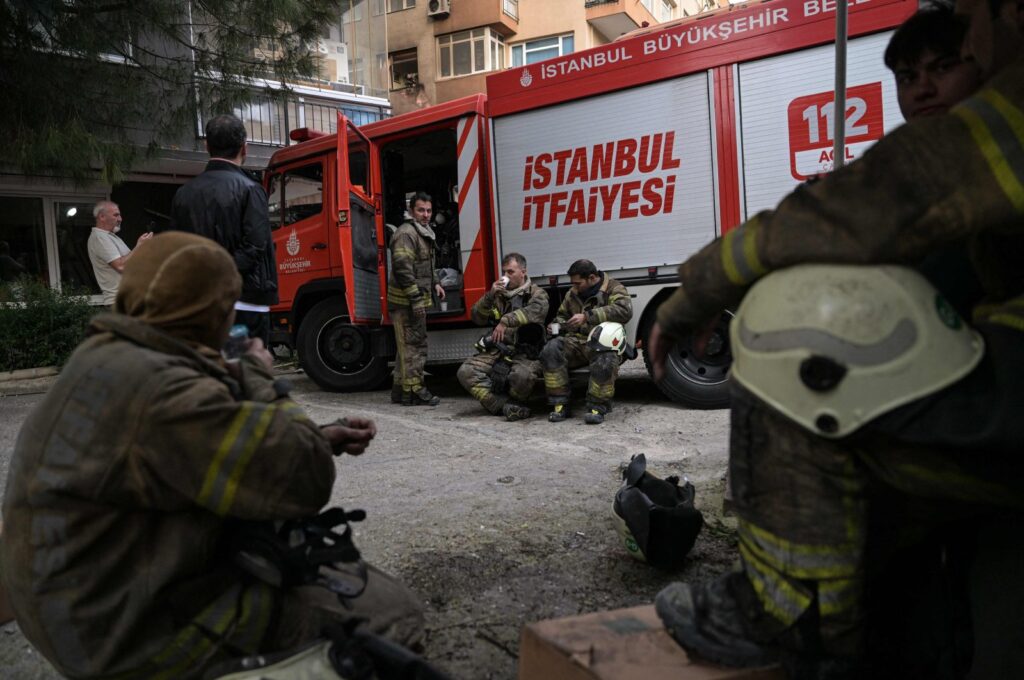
(839, 117)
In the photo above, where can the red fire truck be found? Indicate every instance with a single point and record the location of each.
(634, 155)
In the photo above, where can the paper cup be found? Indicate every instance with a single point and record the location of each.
(444, 305)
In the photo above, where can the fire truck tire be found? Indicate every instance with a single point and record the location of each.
(698, 382)
(336, 354)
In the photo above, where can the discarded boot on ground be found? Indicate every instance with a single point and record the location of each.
(514, 411)
(422, 397)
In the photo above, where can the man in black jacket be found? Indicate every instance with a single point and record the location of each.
(225, 205)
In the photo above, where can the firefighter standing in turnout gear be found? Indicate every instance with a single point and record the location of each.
(128, 476)
(410, 286)
(803, 499)
(593, 299)
(514, 306)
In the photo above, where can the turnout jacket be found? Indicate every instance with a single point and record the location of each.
(412, 278)
(529, 306)
(224, 204)
(927, 184)
(610, 303)
(121, 485)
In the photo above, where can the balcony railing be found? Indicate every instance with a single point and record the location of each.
(594, 3)
(511, 8)
(269, 120)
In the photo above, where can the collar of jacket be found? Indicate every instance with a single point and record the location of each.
(141, 333)
(221, 164)
(426, 231)
(598, 287)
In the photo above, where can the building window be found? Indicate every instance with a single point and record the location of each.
(467, 52)
(649, 4)
(74, 223)
(399, 5)
(532, 51)
(511, 8)
(404, 69)
(22, 239)
(666, 10)
(351, 11)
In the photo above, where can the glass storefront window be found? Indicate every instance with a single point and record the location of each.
(22, 239)
(74, 223)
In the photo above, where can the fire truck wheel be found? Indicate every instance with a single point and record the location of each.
(336, 354)
(698, 382)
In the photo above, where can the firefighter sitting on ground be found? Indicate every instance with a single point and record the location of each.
(502, 381)
(879, 392)
(594, 298)
(137, 467)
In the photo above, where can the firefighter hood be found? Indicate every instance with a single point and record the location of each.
(182, 284)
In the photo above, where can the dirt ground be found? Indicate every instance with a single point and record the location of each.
(494, 524)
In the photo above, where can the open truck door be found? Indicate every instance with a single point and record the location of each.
(339, 336)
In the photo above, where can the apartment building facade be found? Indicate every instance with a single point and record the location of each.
(45, 222)
(441, 50)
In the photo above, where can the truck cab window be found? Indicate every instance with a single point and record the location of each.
(296, 194)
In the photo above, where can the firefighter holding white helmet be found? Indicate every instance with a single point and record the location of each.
(857, 383)
(585, 339)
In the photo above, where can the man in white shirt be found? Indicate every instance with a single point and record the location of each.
(107, 252)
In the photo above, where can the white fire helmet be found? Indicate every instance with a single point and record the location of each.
(608, 336)
(833, 347)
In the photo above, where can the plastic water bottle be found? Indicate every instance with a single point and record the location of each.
(238, 341)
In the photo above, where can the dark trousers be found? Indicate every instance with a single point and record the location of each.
(257, 322)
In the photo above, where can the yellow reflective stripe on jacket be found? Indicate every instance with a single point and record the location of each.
(520, 318)
(838, 596)
(739, 254)
(233, 455)
(781, 598)
(398, 253)
(799, 560)
(997, 127)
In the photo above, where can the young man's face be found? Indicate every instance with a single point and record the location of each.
(516, 274)
(934, 84)
(421, 211)
(580, 284)
(992, 41)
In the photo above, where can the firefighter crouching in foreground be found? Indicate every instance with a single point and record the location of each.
(126, 476)
(503, 380)
(593, 299)
(833, 413)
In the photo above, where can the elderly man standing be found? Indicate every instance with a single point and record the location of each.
(107, 252)
(139, 464)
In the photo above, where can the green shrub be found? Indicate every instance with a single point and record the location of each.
(39, 326)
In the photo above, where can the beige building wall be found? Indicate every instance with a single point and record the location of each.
(590, 26)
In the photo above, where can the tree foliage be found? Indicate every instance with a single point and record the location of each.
(89, 84)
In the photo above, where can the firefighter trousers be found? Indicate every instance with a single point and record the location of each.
(807, 504)
(564, 353)
(411, 343)
(475, 376)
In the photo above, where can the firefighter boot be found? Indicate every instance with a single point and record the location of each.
(559, 412)
(721, 621)
(515, 411)
(421, 396)
(396, 394)
(596, 413)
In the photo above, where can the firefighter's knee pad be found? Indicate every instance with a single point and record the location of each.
(553, 354)
(602, 366)
(467, 375)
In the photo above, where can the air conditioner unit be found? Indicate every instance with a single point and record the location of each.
(439, 8)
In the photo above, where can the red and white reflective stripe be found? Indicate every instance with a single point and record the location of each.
(468, 151)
